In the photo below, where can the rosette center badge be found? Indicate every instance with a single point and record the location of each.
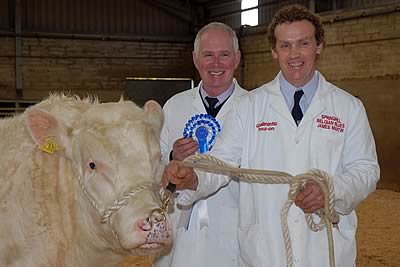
(203, 128)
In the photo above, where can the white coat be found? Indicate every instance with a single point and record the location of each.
(216, 244)
(334, 135)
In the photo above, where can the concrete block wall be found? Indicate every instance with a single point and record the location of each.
(362, 56)
(88, 66)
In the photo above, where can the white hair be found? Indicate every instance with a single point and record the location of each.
(216, 26)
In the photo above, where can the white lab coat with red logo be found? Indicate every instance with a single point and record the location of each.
(217, 243)
(334, 135)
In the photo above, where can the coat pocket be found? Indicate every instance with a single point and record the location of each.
(345, 240)
(250, 240)
(259, 248)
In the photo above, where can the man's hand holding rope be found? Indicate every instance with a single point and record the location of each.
(182, 177)
(311, 198)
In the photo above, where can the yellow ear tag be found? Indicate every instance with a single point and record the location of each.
(50, 146)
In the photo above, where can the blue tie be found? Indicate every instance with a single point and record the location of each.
(211, 101)
(211, 110)
(296, 111)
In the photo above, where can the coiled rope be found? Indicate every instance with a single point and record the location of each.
(327, 214)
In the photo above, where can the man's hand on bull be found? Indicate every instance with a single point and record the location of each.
(311, 198)
(183, 147)
(182, 177)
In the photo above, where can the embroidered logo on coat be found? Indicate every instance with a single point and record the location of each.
(330, 123)
(266, 126)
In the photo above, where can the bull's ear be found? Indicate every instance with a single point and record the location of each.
(154, 115)
(45, 130)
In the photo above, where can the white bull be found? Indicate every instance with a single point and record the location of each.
(77, 183)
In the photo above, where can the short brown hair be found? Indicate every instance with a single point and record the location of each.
(292, 13)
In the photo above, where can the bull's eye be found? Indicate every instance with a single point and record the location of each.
(92, 165)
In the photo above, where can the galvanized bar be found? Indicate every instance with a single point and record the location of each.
(18, 51)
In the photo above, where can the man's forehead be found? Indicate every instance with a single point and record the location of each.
(297, 38)
(215, 50)
(215, 35)
(303, 25)
(298, 30)
(214, 45)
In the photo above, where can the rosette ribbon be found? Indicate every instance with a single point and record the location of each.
(204, 129)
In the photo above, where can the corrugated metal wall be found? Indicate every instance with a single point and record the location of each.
(269, 7)
(141, 17)
(340, 4)
(229, 12)
(95, 17)
(4, 15)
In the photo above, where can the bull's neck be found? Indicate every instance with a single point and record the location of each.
(85, 254)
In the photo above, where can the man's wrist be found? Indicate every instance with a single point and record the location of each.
(195, 185)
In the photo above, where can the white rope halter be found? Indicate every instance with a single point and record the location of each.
(117, 204)
(328, 215)
(123, 200)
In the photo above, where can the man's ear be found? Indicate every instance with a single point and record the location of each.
(45, 130)
(237, 58)
(320, 47)
(274, 54)
(195, 59)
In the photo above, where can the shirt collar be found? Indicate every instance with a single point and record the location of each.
(309, 90)
(221, 97)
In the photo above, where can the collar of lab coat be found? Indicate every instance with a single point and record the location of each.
(199, 106)
(316, 107)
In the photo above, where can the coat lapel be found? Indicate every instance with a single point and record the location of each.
(196, 100)
(238, 91)
(317, 105)
(278, 103)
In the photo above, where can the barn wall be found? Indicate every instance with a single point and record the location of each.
(90, 46)
(116, 17)
(89, 66)
(363, 57)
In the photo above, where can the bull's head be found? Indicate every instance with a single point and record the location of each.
(113, 149)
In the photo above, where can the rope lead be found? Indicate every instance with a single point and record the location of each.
(327, 214)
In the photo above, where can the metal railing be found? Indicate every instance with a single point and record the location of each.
(12, 107)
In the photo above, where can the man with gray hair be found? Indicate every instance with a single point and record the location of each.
(205, 232)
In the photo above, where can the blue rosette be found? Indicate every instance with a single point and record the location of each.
(204, 129)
